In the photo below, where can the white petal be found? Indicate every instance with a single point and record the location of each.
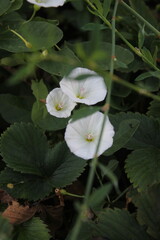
(89, 90)
(77, 132)
(58, 104)
(47, 3)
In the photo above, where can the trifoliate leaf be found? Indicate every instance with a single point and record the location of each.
(142, 167)
(119, 224)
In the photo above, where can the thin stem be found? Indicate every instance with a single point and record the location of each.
(153, 29)
(64, 192)
(134, 49)
(95, 159)
(35, 9)
(126, 190)
(135, 88)
(28, 44)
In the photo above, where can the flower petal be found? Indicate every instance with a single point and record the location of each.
(58, 104)
(47, 3)
(77, 132)
(89, 90)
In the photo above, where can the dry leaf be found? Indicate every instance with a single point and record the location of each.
(5, 197)
(17, 213)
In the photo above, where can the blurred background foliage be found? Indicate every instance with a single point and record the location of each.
(50, 45)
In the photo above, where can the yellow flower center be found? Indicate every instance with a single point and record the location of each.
(41, 1)
(80, 95)
(59, 107)
(89, 138)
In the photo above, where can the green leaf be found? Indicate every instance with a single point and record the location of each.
(149, 80)
(67, 167)
(5, 230)
(39, 89)
(141, 36)
(23, 148)
(61, 62)
(144, 11)
(107, 171)
(106, 7)
(60, 168)
(4, 6)
(25, 186)
(40, 34)
(15, 108)
(154, 109)
(16, 4)
(119, 225)
(142, 167)
(84, 112)
(123, 55)
(32, 230)
(147, 133)
(147, 54)
(126, 130)
(96, 199)
(148, 208)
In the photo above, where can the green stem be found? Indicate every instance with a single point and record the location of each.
(135, 88)
(134, 49)
(126, 190)
(153, 29)
(64, 192)
(28, 44)
(95, 159)
(35, 9)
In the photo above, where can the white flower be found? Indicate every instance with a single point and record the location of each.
(89, 90)
(58, 104)
(47, 3)
(82, 135)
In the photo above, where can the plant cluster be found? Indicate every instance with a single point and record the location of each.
(80, 120)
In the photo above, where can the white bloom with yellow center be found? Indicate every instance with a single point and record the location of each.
(58, 104)
(82, 135)
(47, 3)
(90, 90)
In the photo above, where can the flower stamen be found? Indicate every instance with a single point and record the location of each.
(59, 107)
(81, 93)
(89, 138)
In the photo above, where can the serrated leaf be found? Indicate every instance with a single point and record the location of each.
(5, 229)
(154, 109)
(142, 167)
(68, 166)
(148, 208)
(126, 130)
(25, 186)
(15, 108)
(32, 230)
(59, 168)
(147, 133)
(119, 225)
(23, 148)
